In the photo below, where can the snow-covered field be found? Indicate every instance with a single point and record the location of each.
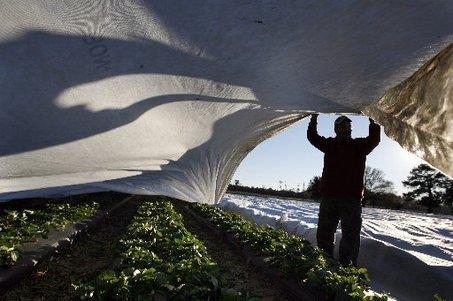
(407, 254)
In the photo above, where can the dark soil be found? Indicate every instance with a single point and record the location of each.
(234, 270)
(93, 253)
(96, 251)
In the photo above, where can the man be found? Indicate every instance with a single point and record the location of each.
(342, 185)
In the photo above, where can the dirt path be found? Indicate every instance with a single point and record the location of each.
(94, 253)
(236, 273)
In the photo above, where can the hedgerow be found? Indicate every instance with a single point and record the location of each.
(20, 226)
(294, 256)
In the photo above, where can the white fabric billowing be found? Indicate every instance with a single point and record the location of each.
(167, 97)
(418, 113)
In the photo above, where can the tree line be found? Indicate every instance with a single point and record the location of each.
(428, 190)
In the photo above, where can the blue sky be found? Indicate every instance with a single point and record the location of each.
(290, 158)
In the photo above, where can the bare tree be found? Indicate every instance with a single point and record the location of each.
(375, 181)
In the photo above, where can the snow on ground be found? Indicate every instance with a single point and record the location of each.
(407, 254)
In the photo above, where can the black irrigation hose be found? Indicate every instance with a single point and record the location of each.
(294, 290)
(46, 248)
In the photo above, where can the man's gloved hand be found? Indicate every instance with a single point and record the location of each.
(371, 120)
(314, 118)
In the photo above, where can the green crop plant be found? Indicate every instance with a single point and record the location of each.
(18, 227)
(294, 256)
(159, 260)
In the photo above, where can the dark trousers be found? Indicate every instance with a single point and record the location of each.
(349, 212)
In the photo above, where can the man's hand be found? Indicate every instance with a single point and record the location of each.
(371, 120)
(314, 118)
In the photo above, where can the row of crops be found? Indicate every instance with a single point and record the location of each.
(21, 226)
(158, 258)
(295, 257)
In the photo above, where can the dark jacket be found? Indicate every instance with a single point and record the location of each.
(344, 161)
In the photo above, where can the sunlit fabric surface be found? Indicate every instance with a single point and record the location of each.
(167, 97)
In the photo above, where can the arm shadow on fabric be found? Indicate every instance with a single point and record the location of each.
(39, 66)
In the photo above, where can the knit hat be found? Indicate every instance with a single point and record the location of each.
(342, 119)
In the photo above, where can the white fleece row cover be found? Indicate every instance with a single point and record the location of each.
(167, 97)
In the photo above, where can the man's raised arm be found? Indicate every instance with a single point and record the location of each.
(374, 137)
(312, 134)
